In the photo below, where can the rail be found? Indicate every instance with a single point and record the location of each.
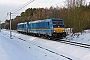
(75, 43)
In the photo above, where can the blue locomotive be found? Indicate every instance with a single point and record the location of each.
(53, 27)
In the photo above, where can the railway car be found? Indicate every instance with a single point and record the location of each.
(53, 27)
(22, 27)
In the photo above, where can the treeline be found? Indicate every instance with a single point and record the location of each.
(76, 17)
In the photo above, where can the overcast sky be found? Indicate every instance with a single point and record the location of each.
(11, 5)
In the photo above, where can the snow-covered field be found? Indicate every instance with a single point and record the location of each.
(24, 47)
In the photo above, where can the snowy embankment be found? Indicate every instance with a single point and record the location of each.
(83, 37)
(42, 49)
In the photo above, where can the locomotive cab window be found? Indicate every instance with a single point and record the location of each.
(48, 23)
(58, 23)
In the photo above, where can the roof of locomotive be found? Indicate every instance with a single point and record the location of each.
(20, 23)
(37, 21)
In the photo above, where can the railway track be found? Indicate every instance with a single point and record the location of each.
(74, 43)
(61, 41)
(84, 45)
(68, 58)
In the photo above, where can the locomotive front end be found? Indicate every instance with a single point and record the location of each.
(58, 28)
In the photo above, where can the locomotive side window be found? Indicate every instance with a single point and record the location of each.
(48, 23)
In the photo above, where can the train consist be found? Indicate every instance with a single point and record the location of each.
(53, 27)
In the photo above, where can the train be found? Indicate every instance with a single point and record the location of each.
(51, 27)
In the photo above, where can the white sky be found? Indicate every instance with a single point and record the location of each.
(10, 5)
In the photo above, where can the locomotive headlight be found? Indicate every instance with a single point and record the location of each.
(54, 31)
(58, 26)
(63, 31)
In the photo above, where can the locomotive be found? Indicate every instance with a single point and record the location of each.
(52, 27)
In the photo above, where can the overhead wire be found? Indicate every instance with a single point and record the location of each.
(17, 11)
(23, 6)
(5, 17)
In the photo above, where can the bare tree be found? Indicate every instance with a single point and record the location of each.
(75, 3)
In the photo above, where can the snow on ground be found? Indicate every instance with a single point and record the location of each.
(24, 47)
(9, 50)
(83, 37)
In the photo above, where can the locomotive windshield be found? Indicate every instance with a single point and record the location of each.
(58, 23)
